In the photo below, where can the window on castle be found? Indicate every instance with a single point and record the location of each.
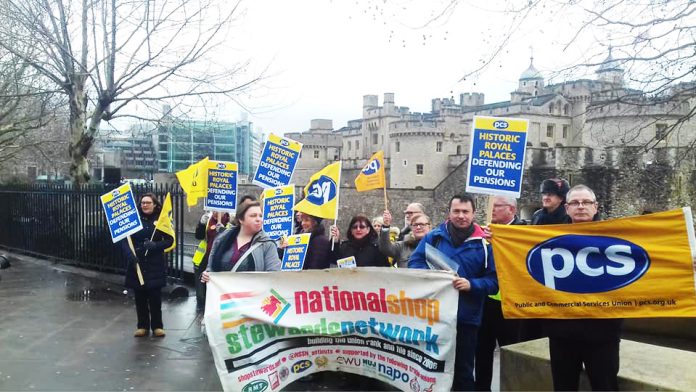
(419, 169)
(459, 150)
(566, 109)
(565, 131)
(551, 108)
(357, 144)
(438, 146)
(397, 146)
(660, 131)
(549, 130)
(405, 162)
(375, 138)
(349, 144)
(316, 154)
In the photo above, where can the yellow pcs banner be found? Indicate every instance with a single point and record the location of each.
(321, 193)
(639, 266)
(372, 175)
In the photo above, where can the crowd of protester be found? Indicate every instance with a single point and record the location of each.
(239, 244)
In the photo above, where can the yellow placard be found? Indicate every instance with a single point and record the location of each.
(494, 123)
(285, 142)
(628, 267)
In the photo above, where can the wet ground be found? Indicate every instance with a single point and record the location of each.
(63, 331)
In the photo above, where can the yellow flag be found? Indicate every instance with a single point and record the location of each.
(321, 193)
(165, 222)
(372, 175)
(194, 181)
(639, 266)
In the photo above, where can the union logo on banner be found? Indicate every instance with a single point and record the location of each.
(322, 191)
(275, 306)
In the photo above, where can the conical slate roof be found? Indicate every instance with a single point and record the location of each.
(531, 72)
(609, 64)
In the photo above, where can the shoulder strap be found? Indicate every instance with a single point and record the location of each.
(244, 256)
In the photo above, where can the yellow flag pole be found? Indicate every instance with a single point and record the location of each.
(137, 266)
(151, 237)
(386, 206)
(332, 237)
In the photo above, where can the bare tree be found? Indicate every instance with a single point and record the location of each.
(25, 108)
(105, 54)
(651, 43)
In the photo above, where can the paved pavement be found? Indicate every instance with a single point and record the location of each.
(62, 331)
(67, 329)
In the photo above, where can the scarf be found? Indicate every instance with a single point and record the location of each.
(458, 235)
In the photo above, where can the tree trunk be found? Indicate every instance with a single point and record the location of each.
(80, 141)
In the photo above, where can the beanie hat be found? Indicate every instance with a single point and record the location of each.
(557, 186)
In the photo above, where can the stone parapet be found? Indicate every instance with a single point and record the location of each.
(643, 367)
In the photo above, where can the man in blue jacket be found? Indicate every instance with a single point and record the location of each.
(463, 241)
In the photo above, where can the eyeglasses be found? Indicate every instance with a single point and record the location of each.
(356, 227)
(500, 205)
(410, 212)
(145, 202)
(419, 225)
(583, 203)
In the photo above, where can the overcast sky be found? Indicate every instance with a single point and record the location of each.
(323, 56)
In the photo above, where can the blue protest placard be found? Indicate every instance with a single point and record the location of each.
(121, 212)
(222, 186)
(277, 162)
(496, 156)
(295, 252)
(277, 211)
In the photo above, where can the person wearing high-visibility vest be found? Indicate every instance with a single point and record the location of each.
(494, 328)
(206, 231)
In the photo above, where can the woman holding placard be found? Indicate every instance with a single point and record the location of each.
(319, 248)
(149, 246)
(360, 250)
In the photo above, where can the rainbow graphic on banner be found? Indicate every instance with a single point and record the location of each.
(231, 305)
(275, 306)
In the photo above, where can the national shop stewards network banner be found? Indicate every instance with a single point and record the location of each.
(639, 266)
(268, 329)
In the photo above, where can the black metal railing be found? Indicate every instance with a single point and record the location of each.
(67, 223)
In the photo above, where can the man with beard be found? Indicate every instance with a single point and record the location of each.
(462, 240)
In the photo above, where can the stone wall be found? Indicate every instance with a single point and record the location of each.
(628, 184)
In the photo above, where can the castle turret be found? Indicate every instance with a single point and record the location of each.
(610, 70)
(531, 81)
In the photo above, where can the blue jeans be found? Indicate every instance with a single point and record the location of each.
(464, 357)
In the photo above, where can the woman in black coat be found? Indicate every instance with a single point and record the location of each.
(319, 248)
(149, 254)
(361, 244)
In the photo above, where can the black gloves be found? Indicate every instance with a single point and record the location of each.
(149, 245)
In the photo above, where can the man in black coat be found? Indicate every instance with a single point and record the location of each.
(494, 328)
(553, 193)
(553, 212)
